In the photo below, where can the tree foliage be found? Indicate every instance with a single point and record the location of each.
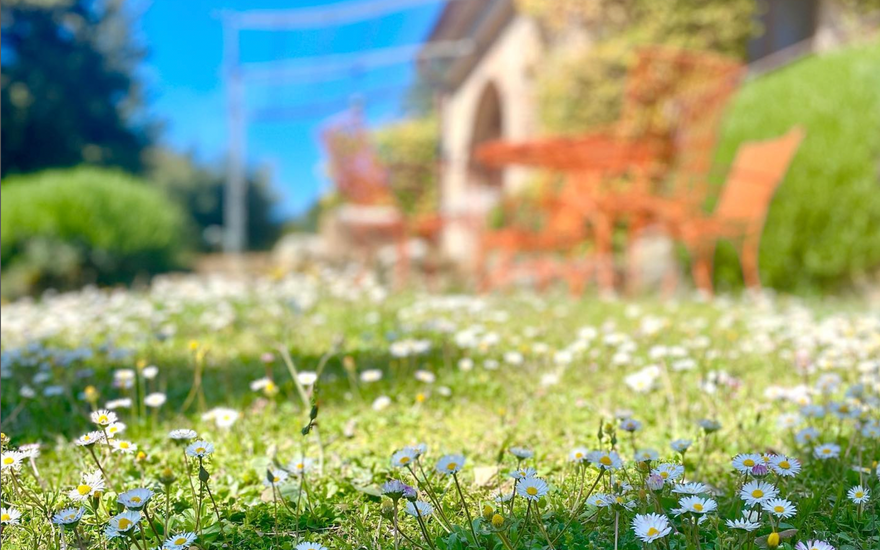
(68, 91)
(408, 150)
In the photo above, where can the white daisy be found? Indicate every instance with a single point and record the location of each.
(757, 492)
(90, 438)
(744, 524)
(681, 445)
(120, 446)
(807, 435)
(11, 460)
(532, 488)
(578, 454)
(200, 448)
(419, 508)
(522, 473)
(124, 522)
(780, 507)
(182, 434)
(692, 488)
(9, 516)
(403, 457)
(697, 505)
(135, 499)
(826, 451)
(300, 465)
(785, 466)
(68, 516)
(371, 375)
(91, 483)
(155, 400)
(104, 417)
(859, 494)
(813, 545)
(450, 464)
(650, 527)
(180, 541)
(668, 471)
(646, 455)
(115, 429)
(605, 460)
(274, 476)
(521, 453)
(745, 462)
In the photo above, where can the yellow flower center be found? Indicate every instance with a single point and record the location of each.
(123, 445)
(124, 523)
(652, 531)
(84, 489)
(179, 540)
(8, 460)
(748, 462)
(698, 507)
(200, 450)
(103, 419)
(532, 491)
(497, 520)
(5, 517)
(135, 499)
(605, 460)
(579, 455)
(826, 451)
(403, 460)
(757, 493)
(451, 466)
(859, 494)
(784, 465)
(778, 509)
(664, 475)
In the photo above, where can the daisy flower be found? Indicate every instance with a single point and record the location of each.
(135, 499)
(521, 453)
(90, 439)
(126, 447)
(274, 476)
(578, 454)
(450, 464)
(757, 492)
(630, 425)
(859, 494)
(300, 465)
(600, 500)
(403, 457)
(223, 417)
(200, 448)
(532, 488)
(182, 434)
(780, 507)
(743, 524)
(91, 483)
(646, 455)
(104, 417)
(181, 541)
(650, 527)
(669, 472)
(68, 516)
(745, 462)
(523, 473)
(419, 508)
(807, 435)
(124, 522)
(785, 466)
(606, 460)
(709, 425)
(10, 460)
(9, 516)
(155, 400)
(654, 482)
(813, 545)
(681, 445)
(697, 505)
(115, 429)
(310, 546)
(371, 375)
(826, 451)
(692, 488)
(394, 489)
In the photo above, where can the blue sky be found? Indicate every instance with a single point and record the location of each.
(185, 87)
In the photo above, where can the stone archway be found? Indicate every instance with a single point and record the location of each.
(488, 125)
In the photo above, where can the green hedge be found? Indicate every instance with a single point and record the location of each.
(62, 228)
(823, 228)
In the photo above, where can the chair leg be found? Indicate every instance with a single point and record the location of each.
(748, 257)
(702, 267)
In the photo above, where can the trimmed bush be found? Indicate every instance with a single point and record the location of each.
(823, 228)
(62, 228)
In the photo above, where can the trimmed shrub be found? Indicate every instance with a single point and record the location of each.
(63, 228)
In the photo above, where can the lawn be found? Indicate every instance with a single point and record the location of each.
(309, 394)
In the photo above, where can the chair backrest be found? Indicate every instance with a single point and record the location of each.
(757, 171)
(680, 96)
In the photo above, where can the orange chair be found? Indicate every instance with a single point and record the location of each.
(756, 173)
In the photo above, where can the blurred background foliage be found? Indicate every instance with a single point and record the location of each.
(409, 149)
(71, 97)
(86, 225)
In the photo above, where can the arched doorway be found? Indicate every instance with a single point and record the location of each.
(488, 125)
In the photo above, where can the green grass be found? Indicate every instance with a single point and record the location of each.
(822, 226)
(480, 413)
